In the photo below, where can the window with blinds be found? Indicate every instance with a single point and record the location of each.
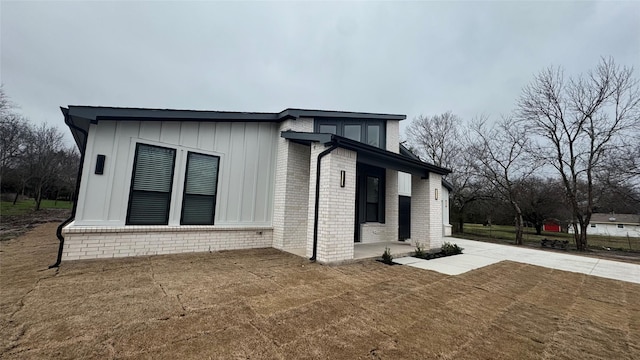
(150, 196)
(201, 182)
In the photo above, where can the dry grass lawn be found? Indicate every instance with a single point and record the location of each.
(264, 304)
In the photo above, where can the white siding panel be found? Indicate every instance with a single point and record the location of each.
(189, 134)
(222, 143)
(205, 136)
(150, 130)
(266, 162)
(246, 177)
(404, 184)
(252, 154)
(119, 199)
(236, 174)
(170, 132)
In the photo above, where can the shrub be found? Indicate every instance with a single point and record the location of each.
(449, 249)
(419, 251)
(387, 258)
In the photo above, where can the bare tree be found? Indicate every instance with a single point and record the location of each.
(436, 139)
(500, 157)
(579, 121)
(541, 199)
(44, 157)
(13, 130)
(13, 136)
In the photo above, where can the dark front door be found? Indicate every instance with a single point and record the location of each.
(404, 217)
(370, 185)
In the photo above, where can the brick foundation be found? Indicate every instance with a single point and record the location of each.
(94, 242)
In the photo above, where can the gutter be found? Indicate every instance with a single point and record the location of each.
(316, 209)
(77, 189)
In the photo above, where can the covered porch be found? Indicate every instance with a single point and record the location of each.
(342, 222)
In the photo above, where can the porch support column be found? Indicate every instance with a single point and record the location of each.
(290, 189)
(336, 212)
(426, 211)
(391, 205)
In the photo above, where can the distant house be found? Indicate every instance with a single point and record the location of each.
(551, 225)
(157, 181)
(613, 225)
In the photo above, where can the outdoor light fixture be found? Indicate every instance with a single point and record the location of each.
(100, 164)
(436, 194)
(343, 176)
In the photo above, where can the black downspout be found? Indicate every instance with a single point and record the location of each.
(316, 209)
(77, 190)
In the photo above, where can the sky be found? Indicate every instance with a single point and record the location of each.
(411, 58)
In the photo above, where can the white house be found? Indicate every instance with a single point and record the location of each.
(613, 225)
(156, 181)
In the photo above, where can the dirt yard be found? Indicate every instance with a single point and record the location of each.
(264, 304)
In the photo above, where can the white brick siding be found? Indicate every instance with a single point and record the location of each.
(426, 211)
(393, 136)
(435, 211)
(336, 213)
(391, 205)
(109, 242)
(291, 189)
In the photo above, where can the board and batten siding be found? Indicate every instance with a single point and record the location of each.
(246, 177)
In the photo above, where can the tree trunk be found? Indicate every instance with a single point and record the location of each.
(461, 224)
(519, 229)
(15, 199)
(581, 239)
(519, 223)
(538, 228)
(39, 197)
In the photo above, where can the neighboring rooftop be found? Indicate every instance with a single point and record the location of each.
(602, 218)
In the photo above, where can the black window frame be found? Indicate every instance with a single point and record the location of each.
(372, 205)
(132, 190)
(362, 172)
(364, 124)
(184, 190)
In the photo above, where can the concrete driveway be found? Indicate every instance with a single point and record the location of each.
(479, 254)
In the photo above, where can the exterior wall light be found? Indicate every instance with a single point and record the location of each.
(100, 164)
(436, 194)
(343, 177)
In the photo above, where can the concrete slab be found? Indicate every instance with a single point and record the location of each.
(478, 254)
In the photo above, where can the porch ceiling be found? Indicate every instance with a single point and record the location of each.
(368, 154)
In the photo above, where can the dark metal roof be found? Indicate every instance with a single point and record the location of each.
(83, 116)
(447, 184)
(368, 154)
(408, 153)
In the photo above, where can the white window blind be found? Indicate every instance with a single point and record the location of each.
(201, 182)
(151, 186)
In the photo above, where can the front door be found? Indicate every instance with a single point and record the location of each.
(370, 190)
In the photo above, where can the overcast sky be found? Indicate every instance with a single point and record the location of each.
(406, 58)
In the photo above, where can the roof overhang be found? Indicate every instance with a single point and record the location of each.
(368, 154)
(84, 116)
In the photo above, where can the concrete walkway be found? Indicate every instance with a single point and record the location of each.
(479, 254)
